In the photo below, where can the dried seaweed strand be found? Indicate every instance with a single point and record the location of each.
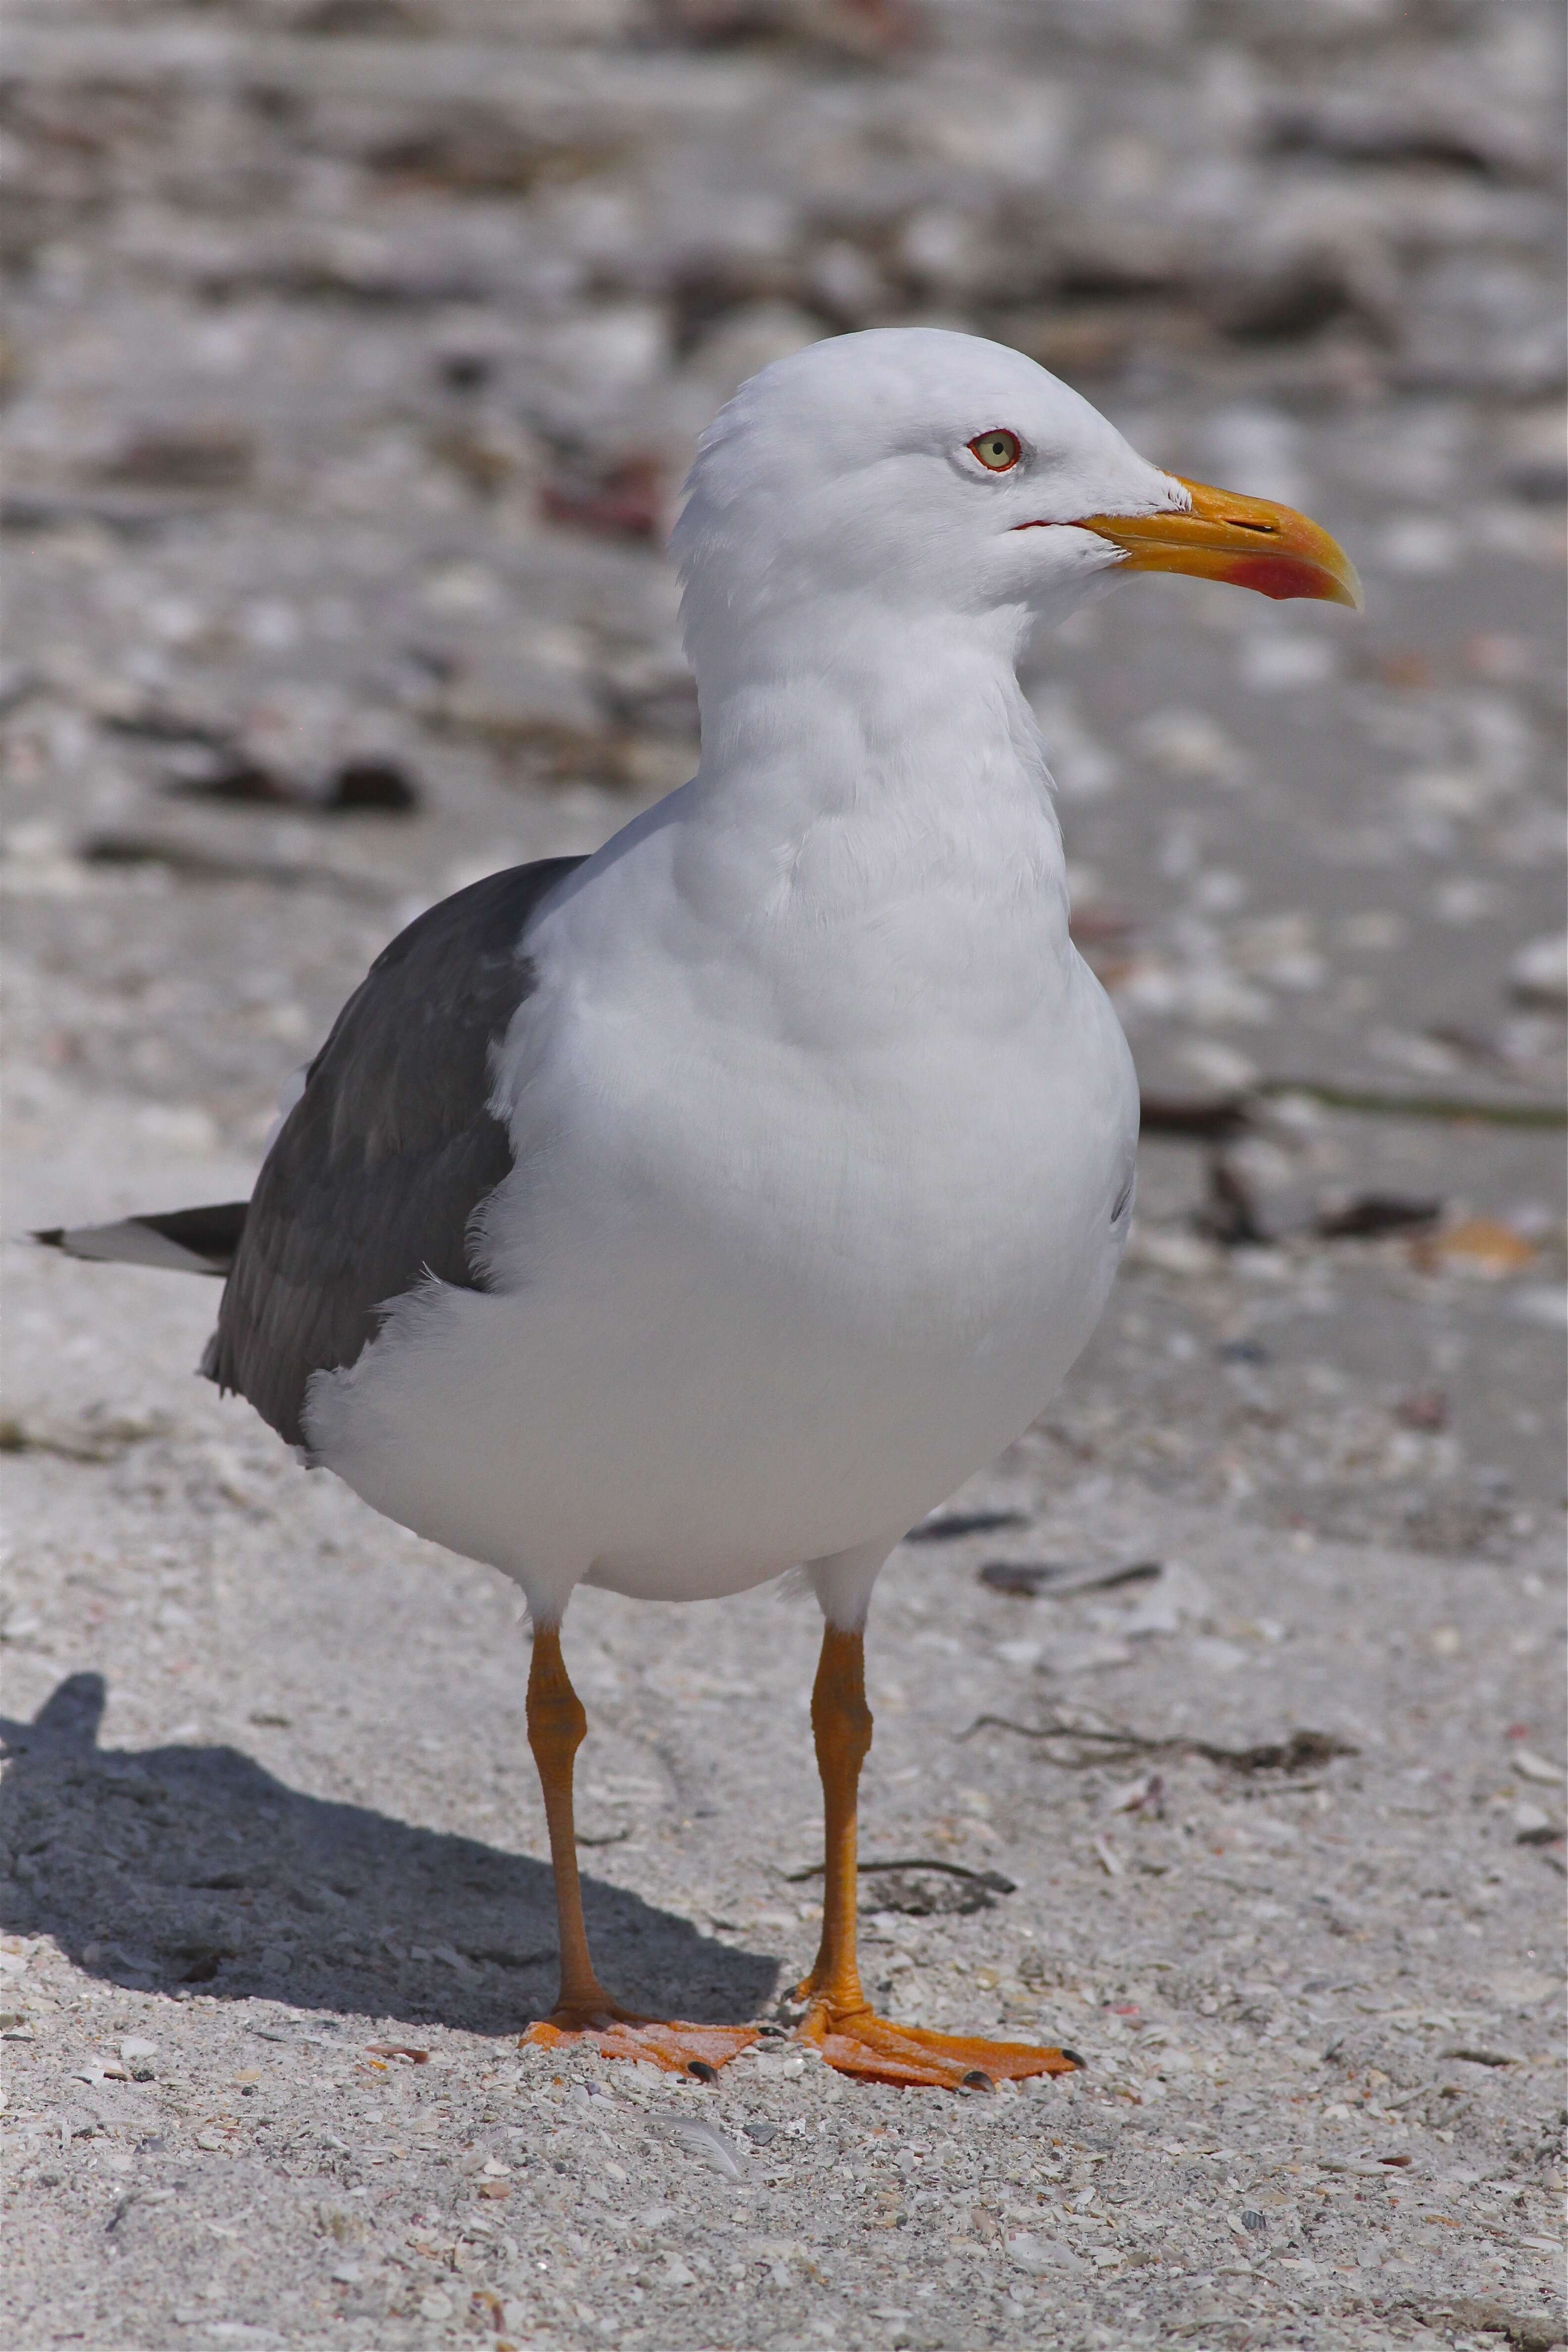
(991, 1878)
(1297, 1754)
(1219, 1118)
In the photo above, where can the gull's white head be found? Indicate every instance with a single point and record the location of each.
(910, 475)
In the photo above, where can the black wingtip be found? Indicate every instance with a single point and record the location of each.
(184, 1240)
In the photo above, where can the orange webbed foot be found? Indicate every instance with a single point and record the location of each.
(859, 2042)
(615, 2032)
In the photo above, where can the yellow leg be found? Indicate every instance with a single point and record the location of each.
(556, 1729)
(840, 2022)
(841, 1727)
(583, 2010)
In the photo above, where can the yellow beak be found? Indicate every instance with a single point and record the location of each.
(1251, 542)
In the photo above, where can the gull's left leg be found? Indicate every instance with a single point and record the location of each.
(840, 2022)
(583, 2010)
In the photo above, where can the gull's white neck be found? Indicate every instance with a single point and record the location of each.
(869, 765)
(866, 860)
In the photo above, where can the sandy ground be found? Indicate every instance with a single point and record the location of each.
(356, 357)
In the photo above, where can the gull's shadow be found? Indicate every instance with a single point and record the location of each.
(168, 1866)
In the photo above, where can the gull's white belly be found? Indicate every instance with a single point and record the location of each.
(757, 1318)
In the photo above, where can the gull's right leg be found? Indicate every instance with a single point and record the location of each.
(557, 1727)
(583, 2010)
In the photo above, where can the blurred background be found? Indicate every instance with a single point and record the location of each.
(356, 351)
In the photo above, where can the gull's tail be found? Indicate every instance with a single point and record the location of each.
(186, 1241)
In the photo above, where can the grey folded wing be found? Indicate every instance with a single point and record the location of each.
(375, 1177)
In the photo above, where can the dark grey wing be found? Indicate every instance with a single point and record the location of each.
(376, 1174)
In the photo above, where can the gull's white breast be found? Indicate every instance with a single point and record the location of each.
(811, 1214)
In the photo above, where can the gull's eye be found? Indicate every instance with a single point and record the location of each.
(998, 452)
